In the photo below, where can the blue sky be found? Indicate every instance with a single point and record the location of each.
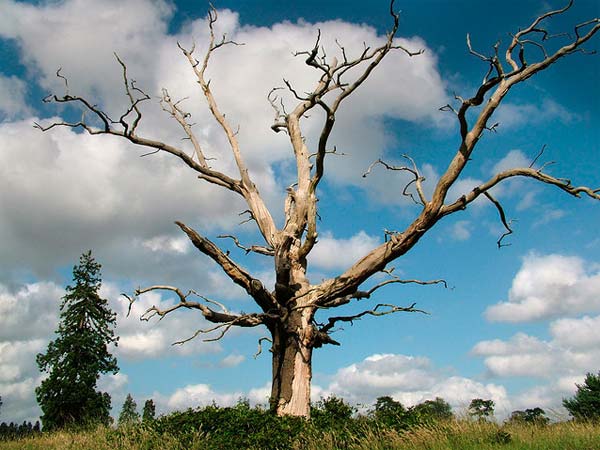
(517, 324)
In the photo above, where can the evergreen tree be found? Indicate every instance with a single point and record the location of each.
(129, 414)
(585, 405)
(75, 360)
(149, 411)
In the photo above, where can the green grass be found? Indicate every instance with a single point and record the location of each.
(453, 435)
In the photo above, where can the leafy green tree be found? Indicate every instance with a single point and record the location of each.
(388, 411)
(149, 411)
(585, 405)
(80, 353)
(535, 416)
(438, 409)
(481, 409)
(129, 414)
(331, 412)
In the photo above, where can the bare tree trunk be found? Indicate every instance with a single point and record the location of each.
(292, 366)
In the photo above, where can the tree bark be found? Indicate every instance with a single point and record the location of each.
(292, 365)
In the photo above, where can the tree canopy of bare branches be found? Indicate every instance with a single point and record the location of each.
(288, 311)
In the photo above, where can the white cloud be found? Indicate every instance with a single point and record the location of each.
(331, 253)
(410, 380)
(18, 400)
(75, 192)
(580, 333)
(512, 160)
(192, 396)
(29, 313)
(232, 360)
(80, 37)
(70, 192)
(154, 338)
(17, 359)
(512, 115)
(549, 286)
(461, 230)
(28, 317)
(168, 244)
(523, 355)
(12, 97)
(561, 362)
(549, 215)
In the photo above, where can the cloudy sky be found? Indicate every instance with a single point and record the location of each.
(517, 325)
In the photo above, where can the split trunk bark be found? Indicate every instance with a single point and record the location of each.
(292, 366)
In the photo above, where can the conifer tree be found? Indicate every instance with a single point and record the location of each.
(129, 414)
(80, 353)
(149, 411)
(585, 404)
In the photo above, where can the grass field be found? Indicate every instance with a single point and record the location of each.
(452, 435)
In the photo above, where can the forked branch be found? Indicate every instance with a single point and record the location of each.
(393, 280)
(238, 275)
(416, 179)
(224, 319)
(377, 311)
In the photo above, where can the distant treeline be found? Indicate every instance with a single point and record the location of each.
(10, 431)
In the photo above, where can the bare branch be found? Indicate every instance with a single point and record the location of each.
(128, 132)
(245, 320)
(181, 117)
(239, 276)
(417, 179)
(248, 189)
(371, 312)
(254, 248)
(533, 28)
(505, 223)
(134, 102)
(395, 279)
(541, 152)
(528, 172)
(259, 350)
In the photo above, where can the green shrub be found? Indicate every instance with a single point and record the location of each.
(235, 427)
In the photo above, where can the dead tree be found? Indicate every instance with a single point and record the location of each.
(288, 311)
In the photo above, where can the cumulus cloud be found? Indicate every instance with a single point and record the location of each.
(560, 362)
(579, 333)
(12, 98)
(192, 396)
(512, 160)
(69, 191)
(331, 253)
(523, 355)
(410, 380)
(28, 317)
(549, 286)
(154, 339)
(30, 312)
